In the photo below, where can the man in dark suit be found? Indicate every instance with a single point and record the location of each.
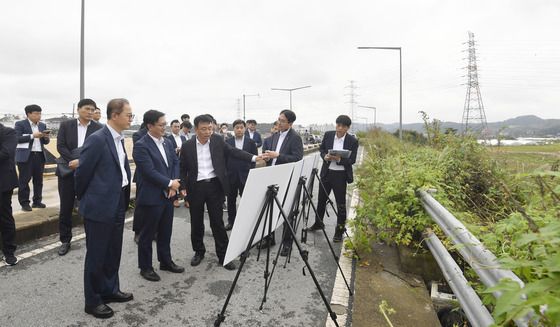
(138, 215)
(175, 137)
(336, 174)
(252, 132)
(30, 156)
(70, 139)
(204, 177)
(238, 170)
(103, 188)
(286, 146)
(267, 142)
(8, 181)
(157, 174)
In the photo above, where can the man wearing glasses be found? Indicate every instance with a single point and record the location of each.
(103, 188)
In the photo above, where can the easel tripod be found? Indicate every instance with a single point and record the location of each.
(266, 212)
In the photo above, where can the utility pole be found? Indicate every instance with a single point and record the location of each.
(374, 114)
(290, 90)
(244, 96)
(400, 80)
(82, 87)
(474, 117)
(353, 97)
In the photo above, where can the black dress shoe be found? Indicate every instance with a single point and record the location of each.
(150, 274)
(229, 266)
(197, 259)
(10, 259)
(118, 297)
(102, 311)
(285, 251)
(229, 227)
(172, 267)
(316, 226)
(26, 207)
(39, 205)
(64, 248)
(338, 233)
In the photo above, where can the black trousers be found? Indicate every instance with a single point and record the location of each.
(335, 180)
(33, 168)
(67, 195)
(211, 194)
(137, 218)
(103, 256)
(7, 223)
(235, 187)
(157, 219)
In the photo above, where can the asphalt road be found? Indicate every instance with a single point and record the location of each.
(47, 290)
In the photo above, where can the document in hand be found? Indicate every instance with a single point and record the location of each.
(340, 153)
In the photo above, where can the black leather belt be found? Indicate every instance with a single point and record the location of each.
(208, 180)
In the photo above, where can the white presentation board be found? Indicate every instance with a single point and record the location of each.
(251, 204)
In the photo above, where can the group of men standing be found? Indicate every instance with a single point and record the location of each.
(204, 168)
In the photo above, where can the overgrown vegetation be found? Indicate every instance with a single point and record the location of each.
(515, 214)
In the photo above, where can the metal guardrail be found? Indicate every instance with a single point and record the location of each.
(475, 311)
(481, 260)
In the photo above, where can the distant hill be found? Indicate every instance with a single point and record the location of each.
(522, 126)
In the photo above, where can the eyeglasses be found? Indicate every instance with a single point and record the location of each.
(130, 116)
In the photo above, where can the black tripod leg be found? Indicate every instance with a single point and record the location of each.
(332, 249)
(304, 256)
(267, 274)
(268, 204)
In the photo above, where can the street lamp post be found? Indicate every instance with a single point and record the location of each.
(374, 114)
(290, 90)
(400, 80)
(82, 52)
(244, 96)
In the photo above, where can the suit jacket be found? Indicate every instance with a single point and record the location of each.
(350, 143)
(238, 170)
(267, 143)
(256, 137)
(98, 178)
(219, 151)
(152, 174)
(171, 138)
(67, 138)
(23, 131)
(8, 175)
(291, 150)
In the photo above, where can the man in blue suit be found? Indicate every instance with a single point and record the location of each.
(103, 188)
(32, 136)
(157, 174)
(252, 132)
(336, 174)
(8, 181)
(238, 170)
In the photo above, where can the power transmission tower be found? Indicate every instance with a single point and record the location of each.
(352, 101)
(238, 108)
(474, 117)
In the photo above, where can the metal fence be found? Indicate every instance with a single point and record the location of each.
(482, 261)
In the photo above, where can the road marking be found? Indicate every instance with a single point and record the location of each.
(49, 247)
(340, 296)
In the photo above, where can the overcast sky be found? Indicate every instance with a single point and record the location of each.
(197, 57)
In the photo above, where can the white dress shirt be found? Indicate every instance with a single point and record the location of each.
(36, 147)
(281, 139)
(118, 139)
(205, 166)
(338, 144)
(159, 143)
(239, 142)
(252, 135)
(82, 129)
